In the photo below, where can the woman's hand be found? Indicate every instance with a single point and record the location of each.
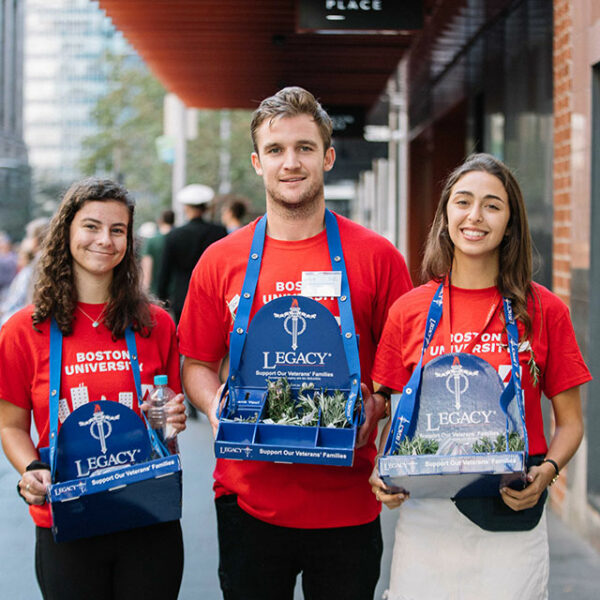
(383, 494)
(538, 479)
(176, 415)
(34, 484)
(568, 431)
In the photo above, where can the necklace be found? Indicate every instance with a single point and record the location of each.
(95, 322)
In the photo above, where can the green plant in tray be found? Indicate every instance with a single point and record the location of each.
(417, 445)
(306, 405)
(333, 408)
(280, 402)
(515, 443)
(282, 409)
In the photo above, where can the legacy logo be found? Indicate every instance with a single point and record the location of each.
(457, 382)
(294, 321)
(100, 427)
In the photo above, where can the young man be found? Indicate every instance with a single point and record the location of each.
(277, 520)
(184, 245)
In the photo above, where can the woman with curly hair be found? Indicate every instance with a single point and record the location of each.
(477, 260)
(89, 283)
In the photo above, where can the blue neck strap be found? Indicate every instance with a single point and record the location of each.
(56, 339)
(404, 421)
(242, 318)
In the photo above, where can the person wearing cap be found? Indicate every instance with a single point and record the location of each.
(184, 245)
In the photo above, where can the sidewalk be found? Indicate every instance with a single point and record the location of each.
(574, 565)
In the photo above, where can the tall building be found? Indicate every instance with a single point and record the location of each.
(66, 41)
(14, 169)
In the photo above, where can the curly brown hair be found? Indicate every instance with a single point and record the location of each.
(56, 294)
(515, 259)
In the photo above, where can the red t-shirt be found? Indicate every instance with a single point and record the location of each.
(94, 366)
(553, 343)
(295, 495)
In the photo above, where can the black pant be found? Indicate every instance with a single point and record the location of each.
(141, 563)
(259, 561)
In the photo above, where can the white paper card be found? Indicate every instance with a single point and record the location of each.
(322, 284)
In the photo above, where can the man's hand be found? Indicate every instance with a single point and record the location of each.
(212, 413)
(374, 408)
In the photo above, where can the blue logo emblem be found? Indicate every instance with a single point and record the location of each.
(99, 436)
(294, 337)
(100, 427)
(457, 380)
(294, 321)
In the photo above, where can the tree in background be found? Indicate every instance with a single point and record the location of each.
(130, 119)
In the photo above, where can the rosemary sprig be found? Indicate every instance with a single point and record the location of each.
(250, 419)
(282, 409)
(280, 404)
(417, 445)
(485, 444)
(306, 405)
(534, 369)
(333, 408)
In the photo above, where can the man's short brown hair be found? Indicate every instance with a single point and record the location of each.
(292, 102)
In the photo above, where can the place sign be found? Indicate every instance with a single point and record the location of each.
(359, 15)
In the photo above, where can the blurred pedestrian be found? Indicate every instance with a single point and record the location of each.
(184, 245)
(152, 251)
(8, 263)
(20, 291)
(478, 259)
(234, 209)
(89, 285)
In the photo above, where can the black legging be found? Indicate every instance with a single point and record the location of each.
(140, 563)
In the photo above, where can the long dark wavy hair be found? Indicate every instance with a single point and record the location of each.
(56, 295)
(515, 258)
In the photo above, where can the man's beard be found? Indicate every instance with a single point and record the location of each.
(306, 204)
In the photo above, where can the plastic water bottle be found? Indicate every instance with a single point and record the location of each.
(157, 415)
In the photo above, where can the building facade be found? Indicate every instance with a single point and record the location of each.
(14, 168)
(519, 79)
(66, 41)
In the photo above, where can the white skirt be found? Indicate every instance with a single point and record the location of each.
(440, 555)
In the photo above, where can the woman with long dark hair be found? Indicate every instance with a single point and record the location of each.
(89, 283)
(479, 251)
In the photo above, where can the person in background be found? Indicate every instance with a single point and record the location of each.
(8, 263)
(89, 284)
(479, 248)
(20, 291)
(233, 211)
(276, 521)
(184, 245)
(152, 251)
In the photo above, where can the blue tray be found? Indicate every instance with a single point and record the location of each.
(122, 498)
(281, 443)
(450, 476)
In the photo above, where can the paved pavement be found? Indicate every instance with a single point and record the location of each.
(574, 573)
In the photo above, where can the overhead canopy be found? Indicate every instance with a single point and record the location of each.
(234, 53)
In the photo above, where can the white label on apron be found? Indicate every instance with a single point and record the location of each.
(321, 284)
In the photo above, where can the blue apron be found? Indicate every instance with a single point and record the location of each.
(297, 338)
(103, 478)
(463, 392)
